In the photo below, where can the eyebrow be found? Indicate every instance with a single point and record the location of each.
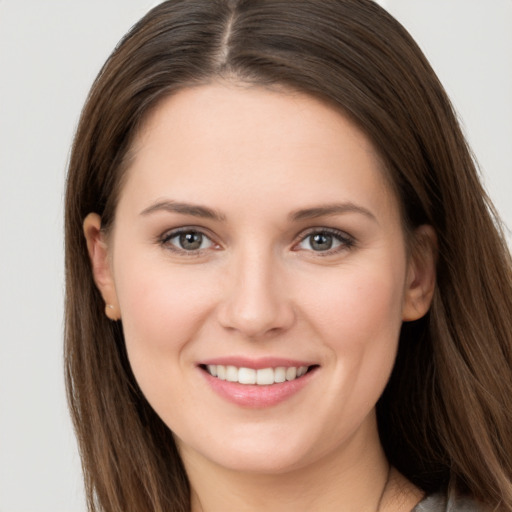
(297, 215)
(183, 208)
(330, 209)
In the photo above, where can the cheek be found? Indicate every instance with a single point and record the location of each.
(162, 308)
(366, 304)
(162, 311)
(359, 316)
(363, 327)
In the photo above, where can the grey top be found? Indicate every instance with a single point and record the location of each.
(448, 502)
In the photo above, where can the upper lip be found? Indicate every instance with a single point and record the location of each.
(255, 363)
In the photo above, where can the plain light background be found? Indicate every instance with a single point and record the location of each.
(50, 52)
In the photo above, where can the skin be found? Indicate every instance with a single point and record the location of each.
(258, 288)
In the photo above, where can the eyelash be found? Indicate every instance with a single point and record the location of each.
(165, 241)
(345, 241)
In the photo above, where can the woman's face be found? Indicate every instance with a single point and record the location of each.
(256, 238)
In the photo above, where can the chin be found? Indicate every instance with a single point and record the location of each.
(263, 463)
(253, 454)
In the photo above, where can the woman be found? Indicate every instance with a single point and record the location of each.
(286, 288)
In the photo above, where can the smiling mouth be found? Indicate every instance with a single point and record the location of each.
(260, 377)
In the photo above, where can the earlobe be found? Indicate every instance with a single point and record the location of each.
(100, 264)
(421, 274)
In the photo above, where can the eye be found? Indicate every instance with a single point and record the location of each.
(325, 240)
(186, 240)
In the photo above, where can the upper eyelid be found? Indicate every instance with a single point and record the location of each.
(346, 240)
(164, 239)
(173, 232)
(324, 229)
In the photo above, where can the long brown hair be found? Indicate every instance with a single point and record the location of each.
(446, 415)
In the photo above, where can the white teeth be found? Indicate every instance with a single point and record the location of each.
(262, 377)
(280, 374)
(247, 376)
(291, 373)
(232, 373)
(221, 372)
(265, 376)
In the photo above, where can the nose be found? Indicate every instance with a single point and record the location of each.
(256, 302)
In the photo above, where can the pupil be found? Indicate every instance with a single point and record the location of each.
(191, 241)
(321, 242)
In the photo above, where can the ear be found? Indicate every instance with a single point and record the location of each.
(421, 274)
(100, 263)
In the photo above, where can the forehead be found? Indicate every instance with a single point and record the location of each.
(215, 111)
(219, 141)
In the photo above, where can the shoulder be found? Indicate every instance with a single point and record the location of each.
(449, 502)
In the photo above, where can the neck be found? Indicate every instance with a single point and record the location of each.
(355, 477)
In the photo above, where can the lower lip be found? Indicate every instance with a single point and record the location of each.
(254, 396)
